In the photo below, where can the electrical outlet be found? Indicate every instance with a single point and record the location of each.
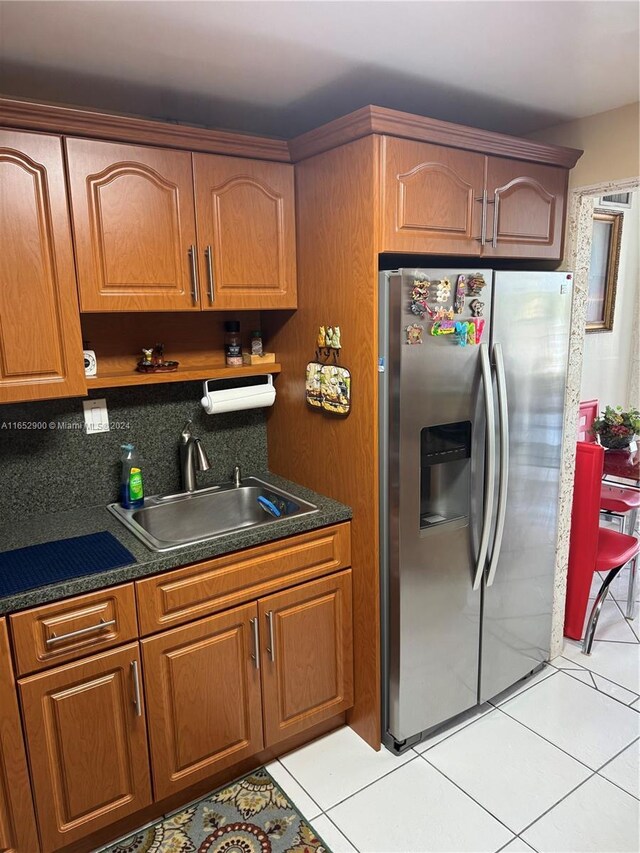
(96, 417)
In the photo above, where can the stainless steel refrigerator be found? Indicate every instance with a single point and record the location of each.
(470, 443)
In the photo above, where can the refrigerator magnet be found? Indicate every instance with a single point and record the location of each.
(477, 307)
(443, 291)
(414, 333)
(313, 385)
(476, 283)
(477, 324)
(335, 382)
(461, 331)
(461, 287)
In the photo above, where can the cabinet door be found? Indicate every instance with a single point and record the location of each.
(40, 340)
(87, 744)
(17, 824)
(134, 226)
(246, 232)
(526, 209)
(431, 198)
(203, 696)
(307, 655)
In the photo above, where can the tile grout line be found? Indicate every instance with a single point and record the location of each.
(613, 758)
(451, 734)
(546, 812)
(343, 834)
(595, 687)
(628, 621)
(473, 799)
(580, 667)
(522, 691)
(549, 741)
(368, 785)
(286, 770)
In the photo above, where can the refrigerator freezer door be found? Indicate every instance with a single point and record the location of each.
(433, 416)
(531, 314)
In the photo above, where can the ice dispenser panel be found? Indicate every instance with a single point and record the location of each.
(445, 459)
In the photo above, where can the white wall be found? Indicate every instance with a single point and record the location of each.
(608, 356)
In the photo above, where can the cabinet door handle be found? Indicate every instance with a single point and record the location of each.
(54, 638)
(483, 223)
(136, 688)
(255, 657)
(208, 253)
(194, 273)
(494, 239)
(271, 648)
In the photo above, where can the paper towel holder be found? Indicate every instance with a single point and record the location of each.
(242, 396)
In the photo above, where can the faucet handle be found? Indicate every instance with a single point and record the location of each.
(185, 435)
(201, 455)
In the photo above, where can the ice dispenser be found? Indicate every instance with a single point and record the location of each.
(445, 474)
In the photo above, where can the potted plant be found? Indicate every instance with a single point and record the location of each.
(616, 429)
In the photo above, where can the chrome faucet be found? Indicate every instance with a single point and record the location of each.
(193, 457)
(237, 477)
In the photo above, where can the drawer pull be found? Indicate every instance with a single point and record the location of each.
(81, 632)
(271, 647)
(136, 688)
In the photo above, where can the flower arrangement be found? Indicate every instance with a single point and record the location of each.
(615, 428)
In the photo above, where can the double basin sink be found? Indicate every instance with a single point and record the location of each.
(166, 522)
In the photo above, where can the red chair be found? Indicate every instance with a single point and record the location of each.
(592, 548)
(586, 417)
(619, 502)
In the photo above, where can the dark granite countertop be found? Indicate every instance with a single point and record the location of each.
(78, 522)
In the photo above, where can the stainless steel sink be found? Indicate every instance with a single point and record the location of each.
(173, 521)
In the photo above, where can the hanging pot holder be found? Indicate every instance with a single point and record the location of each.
(335, 383)
(313, 384)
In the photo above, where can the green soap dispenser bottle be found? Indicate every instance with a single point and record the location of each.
(131, 487)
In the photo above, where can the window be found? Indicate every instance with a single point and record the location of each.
(603, 270)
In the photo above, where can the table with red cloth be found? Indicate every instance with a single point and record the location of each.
(624, 464)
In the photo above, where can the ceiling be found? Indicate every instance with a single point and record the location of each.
(281, 68)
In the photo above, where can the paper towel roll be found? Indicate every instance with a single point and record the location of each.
(238, 399)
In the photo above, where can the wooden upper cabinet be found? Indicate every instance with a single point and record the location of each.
(307, 655)
(431, 198)
(87, 740)
(17, 823)
(246, 232)
(526, 207)
(203, 696)
(134, 226)
(40, 340)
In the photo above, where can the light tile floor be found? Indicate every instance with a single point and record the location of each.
(551, 766)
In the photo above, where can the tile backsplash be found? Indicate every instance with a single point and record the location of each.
(50, 464)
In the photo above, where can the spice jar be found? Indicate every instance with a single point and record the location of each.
(232, 344)
(256, 342)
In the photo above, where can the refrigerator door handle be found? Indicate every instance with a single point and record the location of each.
(490, 473)
(503, 481)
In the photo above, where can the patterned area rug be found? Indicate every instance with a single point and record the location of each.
(251, 815)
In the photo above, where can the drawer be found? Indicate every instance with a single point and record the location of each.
(66, 630)
(180, 596)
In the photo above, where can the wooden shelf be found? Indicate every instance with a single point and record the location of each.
(188, 374)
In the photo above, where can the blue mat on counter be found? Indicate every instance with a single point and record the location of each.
(52, 562)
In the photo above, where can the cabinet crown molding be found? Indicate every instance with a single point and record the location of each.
(380, 120)
(54, 118)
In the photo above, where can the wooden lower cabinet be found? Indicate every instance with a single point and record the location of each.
(307, 655)
(202, 685)
(17, 823)
(87, 744)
